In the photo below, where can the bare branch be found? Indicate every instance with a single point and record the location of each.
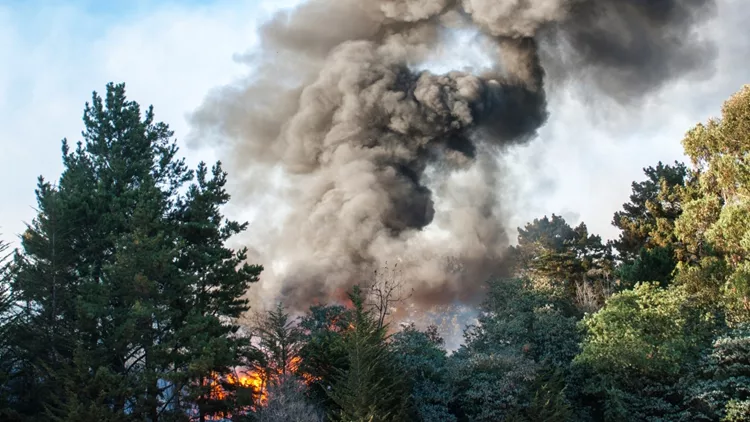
(385, 291)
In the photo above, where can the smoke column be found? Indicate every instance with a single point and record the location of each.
(387, 163)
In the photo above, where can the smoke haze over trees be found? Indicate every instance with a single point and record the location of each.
(389, 163)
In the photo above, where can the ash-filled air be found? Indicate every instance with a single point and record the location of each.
(386, 163)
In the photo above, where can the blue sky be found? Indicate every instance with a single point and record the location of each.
(172, 53)
(55, 53)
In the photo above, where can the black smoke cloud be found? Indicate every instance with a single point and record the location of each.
(334, 100)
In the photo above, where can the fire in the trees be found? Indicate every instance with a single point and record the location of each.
(256, 380)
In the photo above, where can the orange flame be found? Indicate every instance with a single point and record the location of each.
(294, 364)
(255, 379)
(246, 378)
(250, 379)
(243, 378)
(294, 367)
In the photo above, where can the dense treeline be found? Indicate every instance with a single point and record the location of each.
(123, 303)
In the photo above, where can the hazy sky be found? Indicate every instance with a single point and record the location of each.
(170, 54)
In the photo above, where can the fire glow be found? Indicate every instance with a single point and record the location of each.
(243, 378)
(256, 380)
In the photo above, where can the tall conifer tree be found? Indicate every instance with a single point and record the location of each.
(129, 288)
(372, 388)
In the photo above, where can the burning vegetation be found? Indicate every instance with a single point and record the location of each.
(250, 379)
(261, 383)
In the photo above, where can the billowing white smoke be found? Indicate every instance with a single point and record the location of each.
(367, 143)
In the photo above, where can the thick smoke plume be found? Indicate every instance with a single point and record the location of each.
(388, 163)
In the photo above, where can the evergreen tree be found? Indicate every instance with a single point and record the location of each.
(324, 354)
(655, 264)
(205, 306)
(424, 361)
(523, 336)
(647, 221)
(550, 400)
(48, 284)
(9, 326)
(122, 180)
(280, 341)
(372, 388)
(636, 350)
(647, 246)
(720, 389)
(554, 255)
(127, 287)
(715, 224)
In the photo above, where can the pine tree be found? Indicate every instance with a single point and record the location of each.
(280, 342)
(9, 325)
(372, 388)
(130, 293)
(324, 352)
(556, 256)
(647, 247)
(46, 285)
(205, 307)
(122, 179)
(647, 221)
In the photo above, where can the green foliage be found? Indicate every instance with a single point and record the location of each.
(549, 402)
(716, 222)
(656, 264)
(647, 221)
(641, 333)
(422, 358)
(516, 316)
(129, 294)
(737, 411)
(522, 334)
(10, 324)
(720, 387)
(123, 303)
(324, 354)
(45, 287)
(280, 341)
(637, 348)
(88, 396)
(569, 260)
(372, 388)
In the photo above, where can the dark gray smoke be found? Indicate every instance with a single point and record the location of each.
(390, 164)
